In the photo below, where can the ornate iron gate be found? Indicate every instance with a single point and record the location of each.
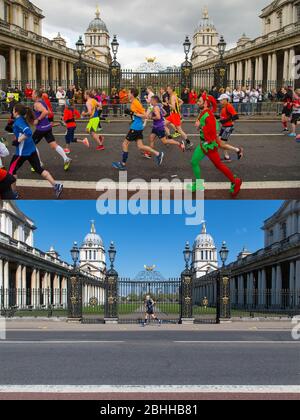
(132, 296)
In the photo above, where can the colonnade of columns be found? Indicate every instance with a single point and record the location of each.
(93, 292)
(252, 288)
(45, 288)
(253, 70)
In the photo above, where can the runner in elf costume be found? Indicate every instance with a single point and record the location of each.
(209, 146)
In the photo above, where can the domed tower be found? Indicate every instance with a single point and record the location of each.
(97, 40)
(92, 254)
(205, 254)
(206, 38)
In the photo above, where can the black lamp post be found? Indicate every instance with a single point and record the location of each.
(111, 288)
(75, 287)
(224, 252)
(112, 255)
(80, 67)
(75, 254)
(223, 288)
(222, 47)
(187, 253)
(186, 67)
(115, 67)
(186, 289)
(221, 68)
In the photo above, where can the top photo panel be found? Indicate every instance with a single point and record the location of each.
(166, 100)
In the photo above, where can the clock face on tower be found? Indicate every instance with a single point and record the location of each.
(90, 245)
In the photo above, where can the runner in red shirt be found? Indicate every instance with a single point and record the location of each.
(70, 116)
(28, 92)
(193, 97)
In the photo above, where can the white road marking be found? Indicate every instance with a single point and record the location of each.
(60, 342)
(239, 342)
(209, 186)
(152, 389)
(189, 135)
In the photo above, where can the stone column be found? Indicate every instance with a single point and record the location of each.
(19, 285)
(292, 285)
(33, 288)
(274, 283)
(2, 291)
(241, 291)
(264, 286)
(18, 67)
(286, 65)
(269, 70)
(34, 70)
(43, 69)
(64, 74)
(53, 72)
(297, 278)
(29, 67)
(24, 291)
(71, 73)
(56, 290)
(250, 279)
(12, 64)
(274, 70)
(292, 67)
(260, 290)
(6, 284)
(260, 72)
(278, 285)
(46, 72)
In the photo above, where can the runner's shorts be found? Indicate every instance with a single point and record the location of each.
(161, 134)
(295, 118)
(93, 125)
(40, 135)
(287, 111)
(134, 135)
(226, 132)
(18, 161)
(175, 119)
(70, 135)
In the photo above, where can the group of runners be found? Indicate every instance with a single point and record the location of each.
(291, 111)
(31, 126)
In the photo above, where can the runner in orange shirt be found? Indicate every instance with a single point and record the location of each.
(227, 118)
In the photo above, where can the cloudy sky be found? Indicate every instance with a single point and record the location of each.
(151, 27)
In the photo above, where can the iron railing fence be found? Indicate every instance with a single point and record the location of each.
(132, 297)
(265, 303)
(115, 110)
(33, 302)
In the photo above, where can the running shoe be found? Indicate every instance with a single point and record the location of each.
(3, 141)
(240, 153)
(189, 145)
(292, 135)
(58, 189)
(147, 156)
(159, 159)
(100, 148)
(33, 170)
(67, 151)
(182, 147)
(86, 142)
(285, 130)
(119, 166)
(67, 164)
(196, 186)
(236, 188)
(176, 135)
(298, 139)
(226, 159)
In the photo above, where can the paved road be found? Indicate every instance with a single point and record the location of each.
(270, 157)
(149, 357)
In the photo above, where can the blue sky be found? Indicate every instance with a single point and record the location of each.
(148, 240)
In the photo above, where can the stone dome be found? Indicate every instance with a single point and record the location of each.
(92, 239)
(204, 240)
(97, 24)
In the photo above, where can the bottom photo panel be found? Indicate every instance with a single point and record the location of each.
(149, 305)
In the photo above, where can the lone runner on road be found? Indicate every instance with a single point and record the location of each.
(149, 310)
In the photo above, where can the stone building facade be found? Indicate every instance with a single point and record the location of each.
(270, 276)
(27, 56)
(270, 59)
(33, 278)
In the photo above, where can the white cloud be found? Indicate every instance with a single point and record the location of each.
(151, 27)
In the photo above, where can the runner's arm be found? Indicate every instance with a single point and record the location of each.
(44, 112)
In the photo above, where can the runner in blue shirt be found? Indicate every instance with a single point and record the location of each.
(26, 149)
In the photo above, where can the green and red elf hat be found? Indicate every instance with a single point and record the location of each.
(211, 102)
